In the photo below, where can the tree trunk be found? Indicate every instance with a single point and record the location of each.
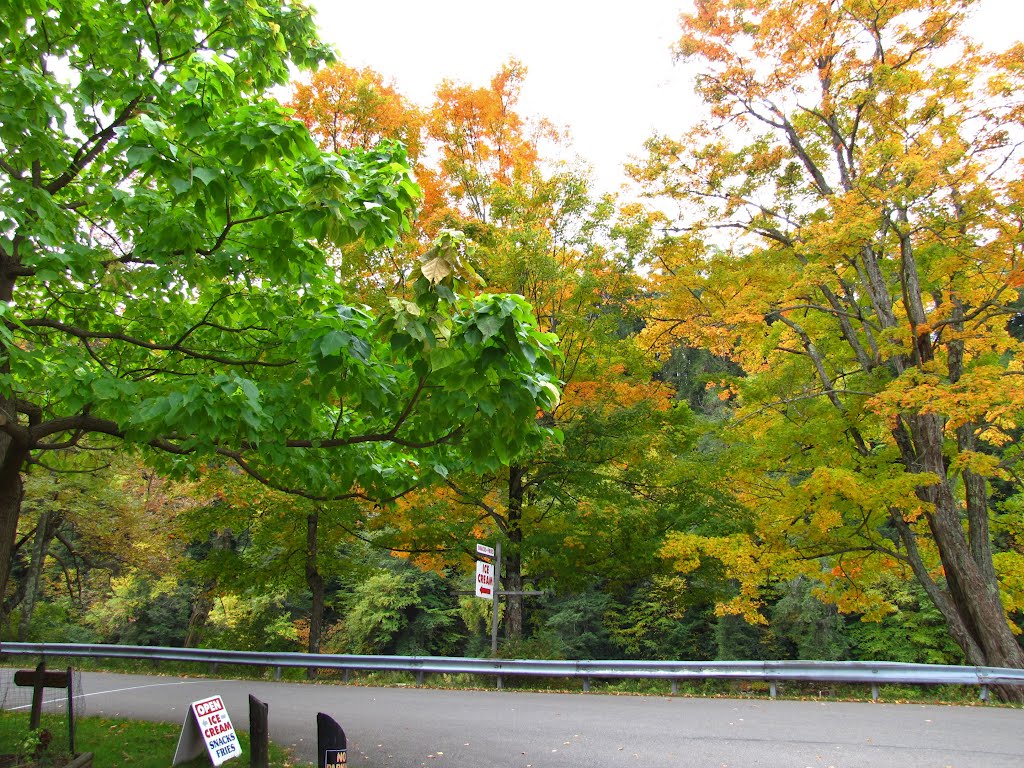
(512, 559)
(940, 598)
(512, 581)
(315, 582)
(976, 493)
(201, 607)
(12, 457)
(46, 529)
(978, 606)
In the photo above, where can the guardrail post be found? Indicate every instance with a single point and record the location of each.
(344, 675)
(772, 692)
(586, 685)
(675, 686)
(984, 693)
(277, 673)
(874, 691)
(500, 683)
(419, 677)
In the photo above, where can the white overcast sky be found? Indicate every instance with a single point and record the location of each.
(599, 67)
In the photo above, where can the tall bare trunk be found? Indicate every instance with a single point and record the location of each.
(512, 559)
(201, 607)
(46, 529)
(315, 582)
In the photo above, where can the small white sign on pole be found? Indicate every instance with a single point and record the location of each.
(484, 580)
(207, 724)
(483, 549)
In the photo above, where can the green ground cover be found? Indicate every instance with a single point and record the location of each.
(114, 743)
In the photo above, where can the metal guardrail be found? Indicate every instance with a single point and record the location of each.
(875, 673)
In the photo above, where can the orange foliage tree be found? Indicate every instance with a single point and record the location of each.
(344, 107)
(539, 232)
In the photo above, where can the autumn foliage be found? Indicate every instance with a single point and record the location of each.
(852, 242)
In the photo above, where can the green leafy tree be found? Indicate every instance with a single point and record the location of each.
(256, 541)
(587, 499)
(664, 619)
(814, 629)
(915, 632)
(163, 284)
(398, 609)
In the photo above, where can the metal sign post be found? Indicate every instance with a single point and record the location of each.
(494, 603)
(492, 591)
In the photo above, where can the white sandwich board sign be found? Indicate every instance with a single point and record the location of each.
(208, 725)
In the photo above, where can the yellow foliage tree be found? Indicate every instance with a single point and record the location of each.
(852, 240)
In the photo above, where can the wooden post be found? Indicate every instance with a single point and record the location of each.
(71, 714)
(38, 680)
(37, 696)
(259, 733)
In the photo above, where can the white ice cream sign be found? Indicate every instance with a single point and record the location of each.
(209, 725)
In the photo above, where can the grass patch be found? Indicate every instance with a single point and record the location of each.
(117, 743)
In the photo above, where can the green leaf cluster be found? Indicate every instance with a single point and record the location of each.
(168, 232)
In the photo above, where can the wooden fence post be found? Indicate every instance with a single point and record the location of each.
(259, 733)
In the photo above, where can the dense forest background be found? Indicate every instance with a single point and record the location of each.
(788, 359)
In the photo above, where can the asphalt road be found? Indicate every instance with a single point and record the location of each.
(414, 727)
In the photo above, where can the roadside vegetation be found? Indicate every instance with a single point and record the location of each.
(270, 373)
